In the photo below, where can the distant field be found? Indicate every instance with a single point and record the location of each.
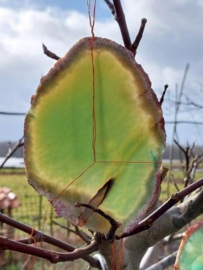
(32, 207)
(17, 181)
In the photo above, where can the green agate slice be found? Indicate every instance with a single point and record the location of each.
(190, 253)
(123, 178)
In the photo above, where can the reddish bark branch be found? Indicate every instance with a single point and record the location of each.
(114, 224)
(39, 236)
(120, 18)
(52, 256)
(49, 53)
(139, 36)
(117, 11)
(148, 221)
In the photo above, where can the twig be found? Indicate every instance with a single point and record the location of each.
(25, 264)
(52, 256)
(13, 113)
(193, 210)
(114, 224)
(163, 94)
(164, 263)
(148, 221)
(174, 133)
(138, 38)
(174, 182)
(117, 11)
(182, 149)
(188, 153)
(49, 53)
(111, 6)
(119, 16)
(199, 158)
(10, 153)
(189, 103)
(184, 122)
(39, 236)
(83, 235)
(86, 238)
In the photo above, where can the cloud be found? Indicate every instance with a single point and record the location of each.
(173, 37)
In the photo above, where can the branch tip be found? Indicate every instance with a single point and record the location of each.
(138, 38)
(163, 94)
(114, 224)
(49, 53)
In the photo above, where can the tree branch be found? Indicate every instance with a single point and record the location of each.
(10, 153)
(163, 94)
(138, 38)
(148, 221)
(111, 6)
(169, 223)
(39, 236)
(164, 263)
(52, 256)
(120, 18)
(114, 224)
(13, 113)
(117, 11)
(184, 122)
(86, 238)
(189, 103)
(49, 53)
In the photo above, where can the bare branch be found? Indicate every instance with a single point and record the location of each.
(86, 238)
(181, 148)
(164, 263)
(148, 221)
(49, 53)
(10, 153)
(169, 223)
(25, 264)
(111, 6)
(184, 122)
(178, 99)
(39, 236)
(13, 113)
(52, 256)
(119, 16)
(83, 235)
(114, 224)
(174, 182)
(189, 169)
(138, 38)
(117, 11)
(194, 209)
(163, 94)
(189, 103)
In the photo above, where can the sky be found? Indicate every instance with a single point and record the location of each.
(173, 37)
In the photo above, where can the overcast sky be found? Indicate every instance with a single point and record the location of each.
(173, 38)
